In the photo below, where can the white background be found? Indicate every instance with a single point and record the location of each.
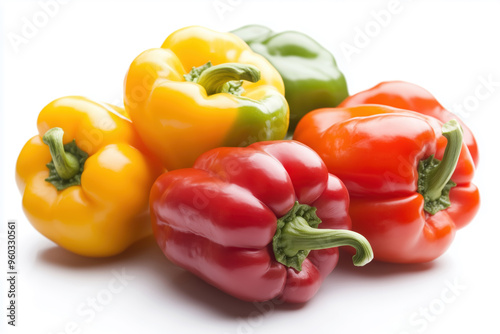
(85, 47)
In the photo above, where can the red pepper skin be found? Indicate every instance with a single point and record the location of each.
(218, 218)
(375, 150)
(405, 95)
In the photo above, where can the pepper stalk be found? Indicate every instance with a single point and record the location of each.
(434, 176)
(66, 167)
(297, 234)
(223, 78)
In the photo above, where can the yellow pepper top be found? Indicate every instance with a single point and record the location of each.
(186, 97)
(103, 172)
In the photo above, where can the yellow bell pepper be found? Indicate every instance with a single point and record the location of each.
(203, 89)
(86, 178)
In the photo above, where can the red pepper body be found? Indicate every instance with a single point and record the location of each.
(375, 150)
(405, 95)
(218, 218)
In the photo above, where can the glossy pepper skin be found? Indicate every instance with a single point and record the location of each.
(220, 219)
(103, 208)
(377, 151)
(309, 71)
(405, 95)
(180, 115)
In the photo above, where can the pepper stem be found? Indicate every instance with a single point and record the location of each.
(66, 167)
(435, 176)
(220, 78)
(297, 234)
(66, 164)
(439, 176)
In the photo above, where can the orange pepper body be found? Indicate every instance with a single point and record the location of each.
(376, 150)
(405, 95)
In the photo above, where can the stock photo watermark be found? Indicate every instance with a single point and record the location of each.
(12, 272)
(95, 136)
(420, 320)
(31, 25)
(255, 319)
(88, 309)
(364, 34)
(486, 87)
(222, 7)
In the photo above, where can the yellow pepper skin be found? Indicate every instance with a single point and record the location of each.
(179, 119)
(108, 210)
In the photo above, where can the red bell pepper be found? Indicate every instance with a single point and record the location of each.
(234, 219)
(405, 95)
(409, 181)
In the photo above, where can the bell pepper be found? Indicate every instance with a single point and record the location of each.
(405, 95)
(203, 89)
(257, 222)
(85, 178)
(409, 176)
(309, 71)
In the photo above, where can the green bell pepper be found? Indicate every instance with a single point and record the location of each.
(309, 71)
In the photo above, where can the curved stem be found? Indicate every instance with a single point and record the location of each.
(297, 234)
(214, 78)
(66, 164)
(439, 176)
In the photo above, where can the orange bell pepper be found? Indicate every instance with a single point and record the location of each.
(409, 176)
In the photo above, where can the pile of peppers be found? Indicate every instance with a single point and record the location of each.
(198, 158)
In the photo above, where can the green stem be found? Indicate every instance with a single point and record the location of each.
(66, 164)
(216, 79)
(297, 235)
(439, 176)
(435, 176)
